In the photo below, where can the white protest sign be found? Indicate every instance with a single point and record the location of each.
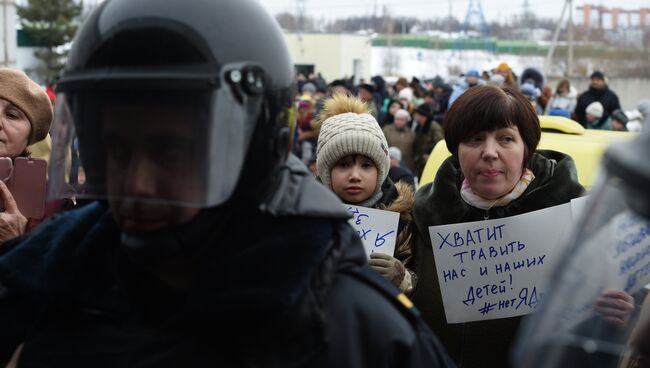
(631, 251)
(616, 256)
(376, 228)
(498, 268)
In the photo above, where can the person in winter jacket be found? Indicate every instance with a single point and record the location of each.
(399, 172)
(442, 93)
(495, 171)
(472, 79)
(619, 121)
(366, 94)
(353, 161)
(644, 109)
(381, 97)
(537, 78)
(510, 78)
(564, 98)
(532, 93)
(392, 107)
(400, 135)
(427, 134)
(594, 113)
(210, 245)
(598, 92)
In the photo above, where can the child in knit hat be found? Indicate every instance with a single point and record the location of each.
(352, 159)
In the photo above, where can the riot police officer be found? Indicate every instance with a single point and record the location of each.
(208, 245)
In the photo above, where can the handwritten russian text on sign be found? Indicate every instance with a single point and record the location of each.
(497, 268)
(625, 242)
(631, 251)
(376, 228)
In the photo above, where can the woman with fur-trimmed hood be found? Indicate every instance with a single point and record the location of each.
(352, 159)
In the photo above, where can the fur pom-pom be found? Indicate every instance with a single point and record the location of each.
(339, 104)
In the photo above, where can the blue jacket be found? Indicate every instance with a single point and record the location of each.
(460, 88)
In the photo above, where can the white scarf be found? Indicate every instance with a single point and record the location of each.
(485, 204)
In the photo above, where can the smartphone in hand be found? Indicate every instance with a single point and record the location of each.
(28, 186)
(26, 179)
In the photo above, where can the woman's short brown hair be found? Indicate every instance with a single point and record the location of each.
(487, 108)
(561, 83)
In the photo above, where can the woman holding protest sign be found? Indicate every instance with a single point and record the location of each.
(352, 159)
(25, 118)
(495, 171)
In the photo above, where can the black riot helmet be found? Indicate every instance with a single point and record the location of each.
(215, 73)
(597, 310)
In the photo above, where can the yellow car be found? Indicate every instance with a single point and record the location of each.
(585, 146)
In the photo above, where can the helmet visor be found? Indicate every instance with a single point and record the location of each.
(176, 147)
(594, 314)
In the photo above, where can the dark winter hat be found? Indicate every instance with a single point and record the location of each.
(437, 81)
(30, 98)
(597, 74)
(338, 83)
(533, 75)
(368, 87)
(424, 110)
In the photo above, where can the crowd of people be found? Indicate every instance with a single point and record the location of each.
(196, 238)
(490, 124)
(411, 114)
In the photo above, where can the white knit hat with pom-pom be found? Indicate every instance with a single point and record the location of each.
(346, 128)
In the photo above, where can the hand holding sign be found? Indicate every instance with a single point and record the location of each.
(389, 267)
(615, 306)
(12, 222)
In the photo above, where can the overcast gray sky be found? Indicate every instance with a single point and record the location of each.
(494, 10)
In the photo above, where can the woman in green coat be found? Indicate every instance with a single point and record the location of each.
(495, 171)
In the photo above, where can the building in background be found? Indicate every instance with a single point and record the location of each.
(333, 55)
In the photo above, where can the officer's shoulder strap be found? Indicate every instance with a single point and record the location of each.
(394, 295)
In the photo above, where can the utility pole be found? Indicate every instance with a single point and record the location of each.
(389, 26)
(526, 8)
(301, 23)
(551, 50)
(449, 20)
(301, 4)
(569, 61)
(8, 32)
